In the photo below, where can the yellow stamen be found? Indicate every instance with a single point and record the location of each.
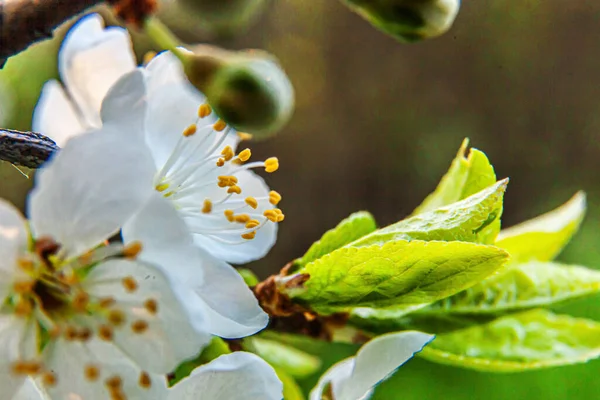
(71, 333)
(80, 301)
(144, 380)
(249, 235)
(114, 382)
(220, 162)
(91, 372)
(23, 308)
(139, 326)
(274, 197)
(84, 334)
(23, 286)
(49, 379)
(132, 250)
(25, 264)
(105, 332)
(130, 284)
(189, 131)
(235, 189)
(151, 306)
(26, 368)
(204, 111)
(116, 317)
(244, 155)
(207, 207)
(271, 164)
(253, 223)
(106, 302)
(271, 215)
(219, 126)
(162, 187)
(242, 218)
(227, 153)
(229, 215)
(251, 201)
(148, 57)
(244, 136)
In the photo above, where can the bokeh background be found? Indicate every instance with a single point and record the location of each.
(377, 123)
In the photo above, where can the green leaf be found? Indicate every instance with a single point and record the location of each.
(354, 227)
(461, 221)
(217, 347)
(522, 286)
(529, 340)
(293, 361)
(291, 390)
(397, 273)
(542, 238)
(466, 176)
(249, 277)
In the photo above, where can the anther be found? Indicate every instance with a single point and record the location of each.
(219, 126)
(251, 201)
(161, 187)
(235, 189)
(244, 136)
(244, 155)
(151, 305)
(145, 381)
(116, 317)
(204, 111)
(25, 264)
(220, 162)
(23, 308)
(80, 301)
(271, 164)
(26, 368)
(274, 197)
(49, 379)
(148, 57)
(23, 286)
(271, 215)
(227, 153)
(91, 372)
(129, 284)
(106, 302)
(207, 206)
(132, 250)
(229, 215)
(253, 223)
(105, 332)
(249, 235)
(71, 333)
(139, 326)
(84, 334)
(189, 131)
(114, 382)
(242, 218)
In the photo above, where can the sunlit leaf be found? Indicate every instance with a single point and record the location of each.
(291, 390)
(293, 361)
(542, 238)
(354, 227)
(466, 176)
(461, 221)
(396, 273)
(522, 286)
(529, 340)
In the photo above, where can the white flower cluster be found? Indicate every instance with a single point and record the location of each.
(86, 318)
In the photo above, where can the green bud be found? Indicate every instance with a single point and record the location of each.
(408, 20)
(248, 90)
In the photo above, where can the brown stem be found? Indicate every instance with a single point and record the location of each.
(24, 22)
(26, 149)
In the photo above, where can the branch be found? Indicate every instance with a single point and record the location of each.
(25, 149)
(24, 22)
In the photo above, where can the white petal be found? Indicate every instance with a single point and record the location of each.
(91, 60)
(377, 360)
(30, 391)
(336, 376)
(170, 338)
(216, 296)
(125, 104)
(240, 376)
(68, 361)
(55, 115)
(18, 342)
(13, 243)
(164, 69)
(251, 185)
(90, 188)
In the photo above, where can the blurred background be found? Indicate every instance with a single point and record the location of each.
(377, 124)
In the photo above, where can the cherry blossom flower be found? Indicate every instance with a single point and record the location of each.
(84, 318)
(230, 211)
(356, 377)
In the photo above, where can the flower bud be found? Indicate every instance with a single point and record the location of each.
(408, 20)
(248, 90)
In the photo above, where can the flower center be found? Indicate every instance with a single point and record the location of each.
(206, 180)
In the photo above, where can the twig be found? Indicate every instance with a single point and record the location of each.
(25, 149)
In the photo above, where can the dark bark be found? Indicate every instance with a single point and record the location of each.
(26, 149)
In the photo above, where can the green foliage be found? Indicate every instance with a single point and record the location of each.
(294, 362)
(466, 176)
(542, 238)
(530, 285)
(291, 389)
(216, 348)
(464, 220)
(352, 228)
(249, 277)
(398, 272)
(528, 340)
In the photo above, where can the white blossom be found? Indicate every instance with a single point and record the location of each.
(356, 377)
(84, 318)
(230, 211)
